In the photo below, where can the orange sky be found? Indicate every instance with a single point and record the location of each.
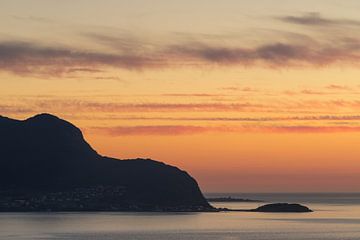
(246, 97)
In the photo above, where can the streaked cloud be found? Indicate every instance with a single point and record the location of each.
(78, 105)
(277, 55)
(33, 18)
(188, 129)
(49, 104)
(28, 58)
(316, 19)
(313, 92)
(241, 89)
(337, 87)
(328, 118)
(14, 109)
(151, 130)
(192, 95)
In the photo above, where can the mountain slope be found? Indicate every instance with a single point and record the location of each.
(45, 157)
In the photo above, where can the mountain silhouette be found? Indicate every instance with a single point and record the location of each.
(45, 164)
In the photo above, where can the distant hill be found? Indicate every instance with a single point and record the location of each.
(45, 164)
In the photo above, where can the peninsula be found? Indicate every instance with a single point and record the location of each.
(46, 165)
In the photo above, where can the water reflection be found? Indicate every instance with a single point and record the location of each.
(329, 221)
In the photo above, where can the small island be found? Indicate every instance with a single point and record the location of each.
(283, 208)
(274, 208)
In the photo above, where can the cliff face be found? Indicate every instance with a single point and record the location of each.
(45, 157)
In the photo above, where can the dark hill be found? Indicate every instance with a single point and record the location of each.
(45, 164)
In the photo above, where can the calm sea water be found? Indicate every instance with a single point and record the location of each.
(336, 216)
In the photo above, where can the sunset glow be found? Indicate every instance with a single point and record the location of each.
(247, 96)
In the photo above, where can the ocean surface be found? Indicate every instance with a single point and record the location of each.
(336, 216)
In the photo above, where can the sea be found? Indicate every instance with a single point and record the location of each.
(335, 216)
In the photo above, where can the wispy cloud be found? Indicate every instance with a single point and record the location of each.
(124, 42)
(313, 92)
(49, 104)
(327, 118)
(151, 130)
(89, 70)
(75, 105)
(337, 87)
(315, 19)
(187, 130)
(28, 58)
(240, 89)
(33, 18)
(11, 109)
(277, 55)
(192, 95)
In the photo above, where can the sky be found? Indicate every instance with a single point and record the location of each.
(247, 96)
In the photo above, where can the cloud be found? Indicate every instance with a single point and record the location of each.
(89, 106)
(330, 118)
(124, 50)
(312, 92)
(189, 130)
(240, 89)
(123, 42)
(192, 95)
(151, 130)
(288, 106)
(279, 55)
(33, 18)
(315, 19)
(28, 58)
(337, 87)
(311, 129)
(25, 58)
(9, 109)
(331, 89)
(89, 70)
